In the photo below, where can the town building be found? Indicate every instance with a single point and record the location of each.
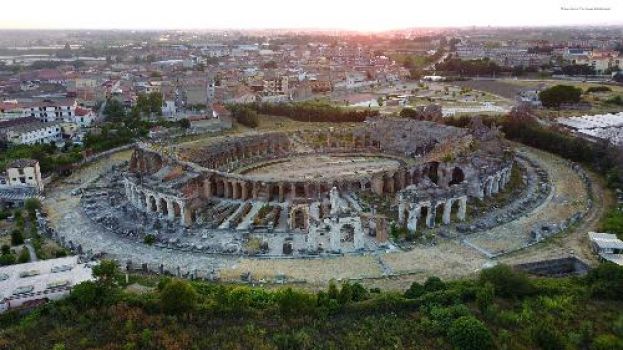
(34, 283)
(24, 173)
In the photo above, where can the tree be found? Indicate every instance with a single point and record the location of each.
(7, 259)
(434, 284)
(506, 282)
(17, 237)
(559, 94)
(178, 297)
(105, 273)
(606, 281)
(24, 256)
(468, 333)
(114, 109)
(414, 291)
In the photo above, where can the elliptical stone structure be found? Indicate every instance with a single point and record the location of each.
(431, 171)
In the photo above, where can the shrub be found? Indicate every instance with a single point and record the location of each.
(434, 284)
(598, 89)
(24, 256)
(606, 281)
(506, 282)
(559, 94)
(484, 296)
(294, 303)
(17, 237)
(415, 291)
(468, 333)
(178, 297)
(607, 342)
(546, 337)
(7, 259)
(149, 239)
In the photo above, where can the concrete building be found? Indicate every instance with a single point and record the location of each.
(33, 283)
(608, 246)
(32, 133)
(24, 173)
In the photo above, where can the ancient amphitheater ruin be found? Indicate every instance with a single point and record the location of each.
(309, 192)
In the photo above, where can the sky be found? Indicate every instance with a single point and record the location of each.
(361, 15)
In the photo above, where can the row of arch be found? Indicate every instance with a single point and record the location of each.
(169, 207)
(431, 213)
(496, 182)
(386, 183)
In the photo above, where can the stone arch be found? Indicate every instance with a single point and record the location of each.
(177, 210)
(424, 214)
(347, 235)
(440, 207)
(142, 198)
(431, 171)
(164, 209)
(153, 206)
(458, 176)
(220, 188)
(299, 219)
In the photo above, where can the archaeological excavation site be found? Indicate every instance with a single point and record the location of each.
(339, 190)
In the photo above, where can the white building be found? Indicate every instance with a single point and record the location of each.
(49, 111)
(608, 246)
(40, 281)
(24, 173)
(33, 133)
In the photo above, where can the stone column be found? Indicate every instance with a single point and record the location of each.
(281, 192)
(358, 236)
(377, 186)
(334, 198)
(227, 189)
(255, 190)
(447, 210)
(430, 217)
(462, 208)
(171, 209)
(234, 187)
(414, 214)
(334, 238)
(293, 190)
(269, 189)
(245, 190)
(307, 190)
(488, 187)
(311, 238)
(314, 210)
(184, 214)
(207, 188)
(495, 186)
(402, 207)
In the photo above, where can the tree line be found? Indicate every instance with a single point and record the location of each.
(500, 309)
(313, 112)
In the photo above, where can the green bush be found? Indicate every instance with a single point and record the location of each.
(149, 239)
(546, 337)
(17, 237)
(559, 94)
(606, 281)
(468, 333)
(415, 291)
(178, 297)
(506, 282)
(598, 89)
(607, 342)
(7, 259)
(434, 284)
(24, 256)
